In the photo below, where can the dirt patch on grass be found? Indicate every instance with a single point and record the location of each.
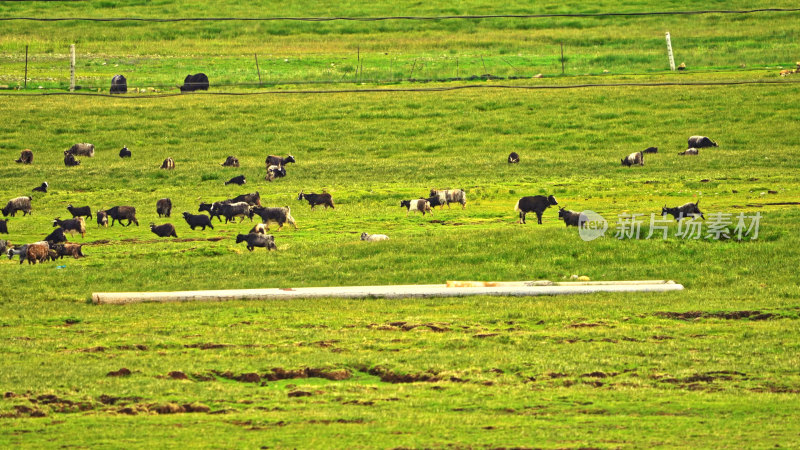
(206, 345)
(124, 372)
(727, 315)
(279, 373)
(388, 376)
(406, 326)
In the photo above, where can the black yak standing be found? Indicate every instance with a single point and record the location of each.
(119, 85)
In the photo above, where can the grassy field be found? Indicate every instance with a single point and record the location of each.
(715, 365)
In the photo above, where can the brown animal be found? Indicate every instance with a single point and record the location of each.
(38, 252)
(69, 249)
(82, 149)
(25, 157)
(168, 164)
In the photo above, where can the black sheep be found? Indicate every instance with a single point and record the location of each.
(57, 236)
(231, 161)
(679, 212)
(119, 85)
(513, 158)
(199, 220)
(124, 152)
(4, 226)
(41, 188)
(236, 180)
(536, 204)
(83, 211)
(165, 230)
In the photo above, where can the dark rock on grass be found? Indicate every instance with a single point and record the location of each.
(299, 394)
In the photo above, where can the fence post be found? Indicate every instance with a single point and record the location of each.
(258, 70)
(26, 67)
(669, 52)
(562, 58)
(71, 67)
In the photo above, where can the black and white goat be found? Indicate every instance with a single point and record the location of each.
(420, 205)
(701, 142)
(276, 215)
(536, 204)
(257, 240)
(71, 226)
(273, 160)
(680, 212)
(634, 159)
(233, 210)
(451, 196)
(41, 188)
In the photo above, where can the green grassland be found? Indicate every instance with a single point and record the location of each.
(715, 365)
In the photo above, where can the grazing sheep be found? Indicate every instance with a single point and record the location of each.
(633, 159)
(124, 152)
(420, 205)
(41, 188)
(277, 215)
(513, 158)
(451, 196)
(701, 142)
(165, 230)
(69, 160)
(4, 226)
(275, 172)
(168, 164)
(257, 240)
(233, 210)
(118, 213)
(317, 199)
(82, 149)
(253, 199)
(164, 207)
(37, 252)
(213, 209)
(374, 237)
(199, 220)
(102, 219)
(71, 226)
(67, 249)
(236, 180)
(25, 157)
(83, 211)
(273, 160)
(119, 85)
(689, 151)
(536, 204)
(17, 204)
(650, 150)
(689, 209)
(196, 82)
(231, 161)
(572, 218)
(56, 236)
(259, 228)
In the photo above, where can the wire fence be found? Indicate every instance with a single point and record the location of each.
(422, 18)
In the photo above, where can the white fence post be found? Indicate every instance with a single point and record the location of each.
(71, 67)
(669, 52)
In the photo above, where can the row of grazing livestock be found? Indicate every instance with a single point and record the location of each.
(694, 143)
(80, 149)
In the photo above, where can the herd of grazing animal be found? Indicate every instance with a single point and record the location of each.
(56, 245)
